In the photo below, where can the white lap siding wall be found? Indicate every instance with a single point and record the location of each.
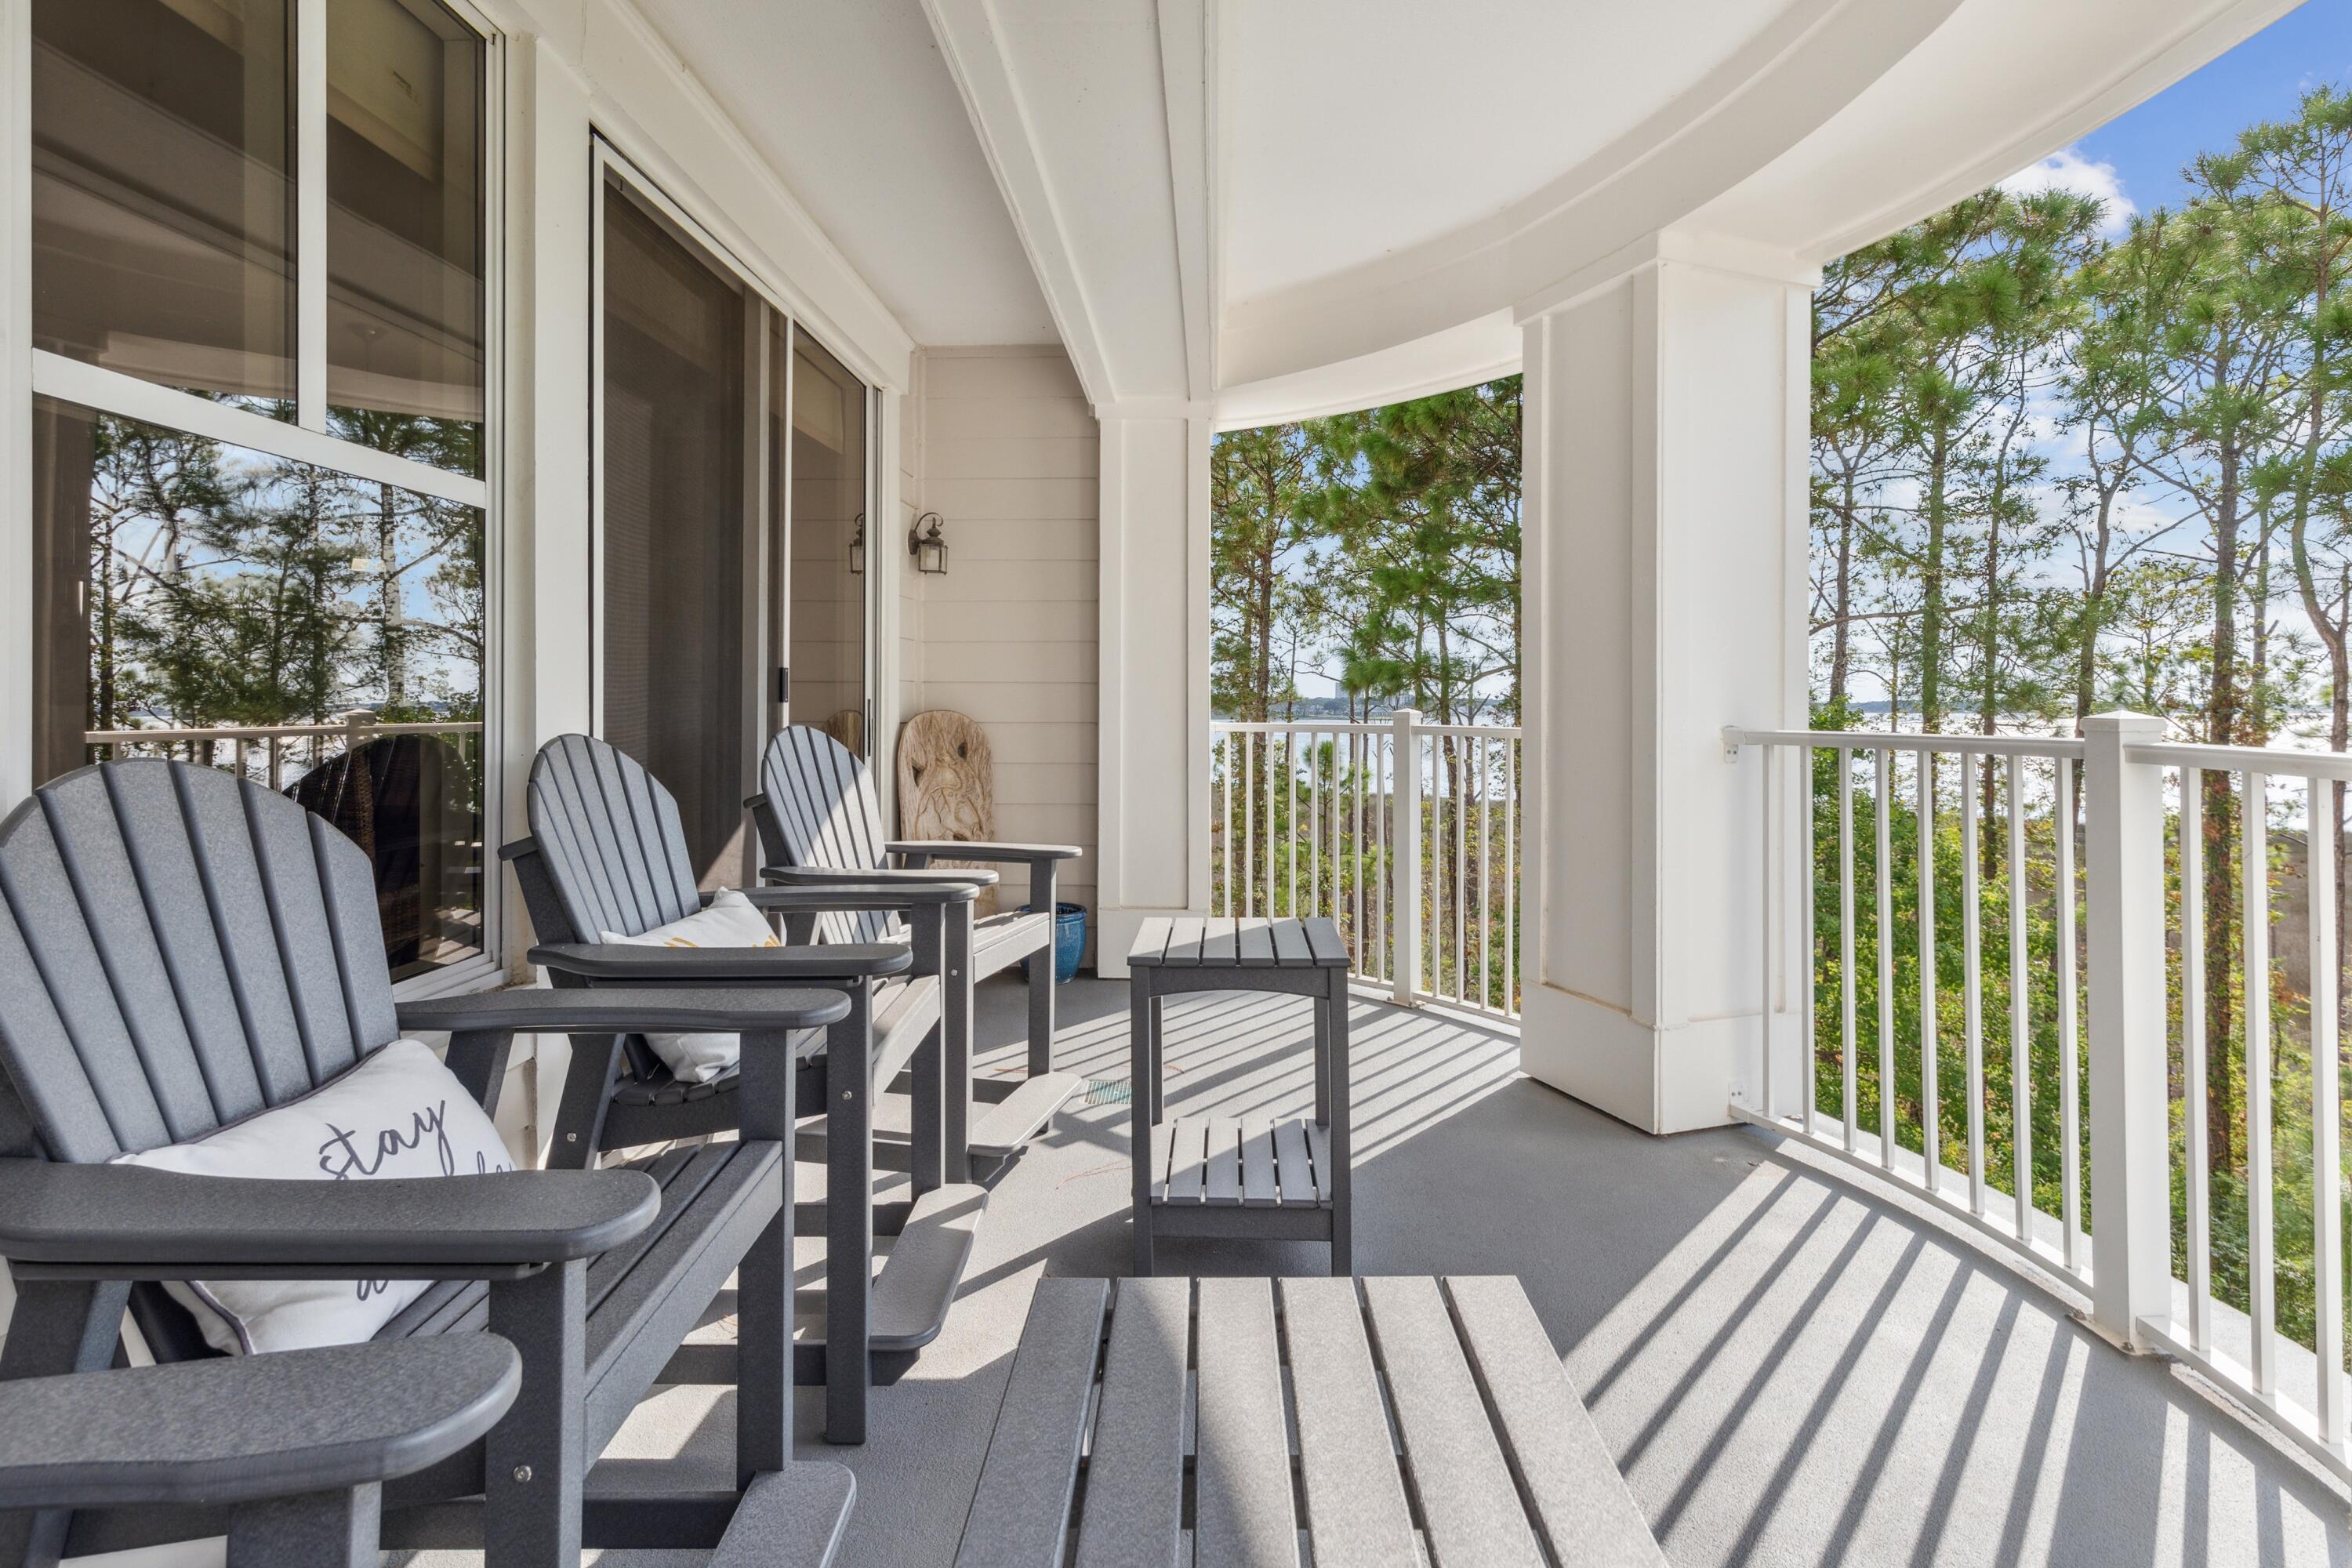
(1004, 448)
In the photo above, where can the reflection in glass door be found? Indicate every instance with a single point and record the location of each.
(673, 639)
(830, 544)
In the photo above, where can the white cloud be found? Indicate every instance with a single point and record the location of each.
(2068, 170)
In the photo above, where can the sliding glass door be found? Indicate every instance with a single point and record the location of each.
(674, 538)
(731, 581)
(826, 631)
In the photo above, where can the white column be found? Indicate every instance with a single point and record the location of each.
(1664, 577)
(2131, 1188)
(1153, 805)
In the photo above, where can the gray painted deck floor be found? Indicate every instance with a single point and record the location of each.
(1788, 1370)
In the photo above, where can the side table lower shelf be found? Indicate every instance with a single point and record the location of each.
(1254, 1179)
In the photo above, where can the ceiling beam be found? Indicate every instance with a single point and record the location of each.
(973, 47)
(1188, 77)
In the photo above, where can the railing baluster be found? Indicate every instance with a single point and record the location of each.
(1455, 801)
(1381, 900)
(1225, 905)
(1765, 757)
(2020, 1011)
(2197, 1180)
(1931, 1113)
(2070, 1072)
(2253, 839)
(2327, 1180)
(1290, 816)
(1809, 947)
(1972, 981)
(1884, 877)
(1510, 873)
(1314, 823)
(1485, 877)
(1846, 1041)
(1365, 959)
(1249, 823)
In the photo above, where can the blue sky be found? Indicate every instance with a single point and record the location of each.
(2261, 79)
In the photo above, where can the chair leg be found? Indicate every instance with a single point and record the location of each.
(763, 1281)
(1043, 877)
(339, 1527)
(1142, 1099)
(955, 1029)
(848, 1217)
(928, 1152)
(59, 1326)
(535, 1459)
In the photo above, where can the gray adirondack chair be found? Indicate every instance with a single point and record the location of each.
(819, 823)
(607, 853)
(180, 949)
(297, 1446)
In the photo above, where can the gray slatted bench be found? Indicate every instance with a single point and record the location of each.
(1342, 1423)
(1260, 1177)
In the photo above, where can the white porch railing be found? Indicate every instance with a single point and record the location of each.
(2127, 888)
(273, 746)
(1407, 834)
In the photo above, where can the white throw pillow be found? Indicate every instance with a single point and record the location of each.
(399, 1113)
(729, 920)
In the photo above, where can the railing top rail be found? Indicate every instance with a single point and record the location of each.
(2067, 746)
(274, 732)
(2276, 761)
(1356, 727)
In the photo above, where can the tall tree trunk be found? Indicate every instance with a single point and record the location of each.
(2221, 815)
(1841, 615)
(1931, 580)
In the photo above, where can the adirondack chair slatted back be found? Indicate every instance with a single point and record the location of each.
(178, 948)
(612, 839)
(822, 806)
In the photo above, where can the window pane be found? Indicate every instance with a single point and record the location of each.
(322, 634)
(674, 528)
(163, 206)
(405, 216)
(828, 515)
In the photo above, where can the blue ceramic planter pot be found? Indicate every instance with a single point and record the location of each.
(1069, 941)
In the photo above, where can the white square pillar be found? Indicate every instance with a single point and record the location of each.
(1663, 575)
(1153, 805)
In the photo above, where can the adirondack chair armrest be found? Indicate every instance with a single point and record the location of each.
(734, 966)
(961, 850)
(711, 1009)
(135, 1222)
(236, 1430)
(973, 876)
(821, 898)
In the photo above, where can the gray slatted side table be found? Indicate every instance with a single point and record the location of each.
(1443, 1392)
(1255, 1176)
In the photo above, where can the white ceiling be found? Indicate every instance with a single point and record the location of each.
(850, 102)
(1350, 130)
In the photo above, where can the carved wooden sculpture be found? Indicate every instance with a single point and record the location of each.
(947, 784)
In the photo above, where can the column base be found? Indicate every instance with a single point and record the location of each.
(1660, 1081)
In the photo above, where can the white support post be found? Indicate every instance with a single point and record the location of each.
(1663, 595)
(2131, 1195)
(1404, 841)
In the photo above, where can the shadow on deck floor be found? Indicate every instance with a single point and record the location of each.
(1790, 1371)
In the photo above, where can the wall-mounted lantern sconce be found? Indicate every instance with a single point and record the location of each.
(929, 549)
(857, 549)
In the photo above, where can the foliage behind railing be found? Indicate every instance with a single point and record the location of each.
(1308, 818)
